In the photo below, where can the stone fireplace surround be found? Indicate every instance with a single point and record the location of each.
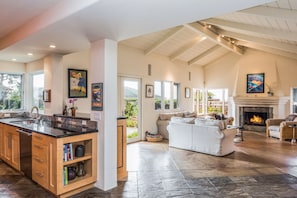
(278, 105)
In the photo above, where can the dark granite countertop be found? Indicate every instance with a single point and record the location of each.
(53, 129)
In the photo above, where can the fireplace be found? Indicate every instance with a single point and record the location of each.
(253, 118)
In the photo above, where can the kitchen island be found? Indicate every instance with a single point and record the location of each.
(55, 164)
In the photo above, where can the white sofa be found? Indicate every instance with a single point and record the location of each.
(205, 136)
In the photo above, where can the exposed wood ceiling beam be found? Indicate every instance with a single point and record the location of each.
(265, 42)
(207, 52)
(185, 48)
(163, 40)
(278, 34)
(270, 50)
(271, 12)
(215, 37)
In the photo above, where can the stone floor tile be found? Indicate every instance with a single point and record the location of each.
(171, 184)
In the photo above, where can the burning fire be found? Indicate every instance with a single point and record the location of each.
(256, 119)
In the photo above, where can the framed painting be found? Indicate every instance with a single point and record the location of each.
(97, 97)
(46, 95)
(77, 83)
(149, 91)
(255, 83)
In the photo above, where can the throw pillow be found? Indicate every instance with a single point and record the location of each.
(190, 115)
(291, 117)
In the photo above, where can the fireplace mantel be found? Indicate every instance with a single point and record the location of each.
(279, 105)
(273, 100)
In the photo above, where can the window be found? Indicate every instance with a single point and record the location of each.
(176, 95)
(294, 100)
(211, 101)
(37, 89)
(167, 95)
(11, 89)
(217, 101)
(198, 100)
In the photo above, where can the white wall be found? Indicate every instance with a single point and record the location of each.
(12, 67)
(79, 60)
(133, 63)
(230, 72)
(35, 66)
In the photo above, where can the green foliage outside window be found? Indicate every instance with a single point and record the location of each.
(131, 111)
(10, 91)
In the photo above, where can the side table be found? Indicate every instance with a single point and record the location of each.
(293, 126)
(239, 135)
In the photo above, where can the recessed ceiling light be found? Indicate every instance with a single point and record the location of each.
(30, 54)
(52, 46)
(13, 59)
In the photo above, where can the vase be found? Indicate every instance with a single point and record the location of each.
(73, 112)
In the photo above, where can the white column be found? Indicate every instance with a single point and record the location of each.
(53, 80)
(103, 68)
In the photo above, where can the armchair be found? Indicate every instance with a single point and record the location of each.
(280, 128)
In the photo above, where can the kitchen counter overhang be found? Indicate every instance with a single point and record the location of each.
(54, 129)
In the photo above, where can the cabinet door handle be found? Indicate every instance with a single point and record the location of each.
(38, 160)
(39, 174)
(38, 147)
(38, 137)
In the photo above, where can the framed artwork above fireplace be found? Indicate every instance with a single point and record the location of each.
(255, 83)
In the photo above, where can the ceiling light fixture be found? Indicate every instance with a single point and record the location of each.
(30, 54)
(13, 59)
(52, 46)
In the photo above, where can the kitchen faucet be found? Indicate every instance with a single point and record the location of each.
(37, 112)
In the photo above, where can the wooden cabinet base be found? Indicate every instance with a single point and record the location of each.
(58, 154)
(122, 173)
(76, 191)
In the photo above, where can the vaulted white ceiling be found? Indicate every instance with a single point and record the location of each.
(270, 27)
(168, 27)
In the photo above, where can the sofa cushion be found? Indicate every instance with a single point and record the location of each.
(207, 122)
(275, 128)
(183, 120)
(165, 116)
(190, 115)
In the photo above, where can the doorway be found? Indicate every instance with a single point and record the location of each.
(130, 100)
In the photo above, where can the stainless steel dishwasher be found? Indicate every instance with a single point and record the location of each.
(26, 151)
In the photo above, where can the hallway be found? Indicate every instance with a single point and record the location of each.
(260, 167)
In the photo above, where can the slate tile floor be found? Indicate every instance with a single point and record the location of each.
(261, 167)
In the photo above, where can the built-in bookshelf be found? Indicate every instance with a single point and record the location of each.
(60, 155)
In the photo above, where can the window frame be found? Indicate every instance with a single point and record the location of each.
(162, 90)
(22, 100)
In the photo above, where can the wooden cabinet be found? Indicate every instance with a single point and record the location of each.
(1, 141)
(11, 146)
(121, 150)
(48, 163)
(44, 161)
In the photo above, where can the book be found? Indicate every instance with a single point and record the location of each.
(65, 174)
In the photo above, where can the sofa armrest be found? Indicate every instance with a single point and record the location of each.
(271, 121)
(288, 123)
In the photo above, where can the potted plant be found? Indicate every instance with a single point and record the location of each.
(73, 107)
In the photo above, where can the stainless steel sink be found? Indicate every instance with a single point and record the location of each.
(25, 122)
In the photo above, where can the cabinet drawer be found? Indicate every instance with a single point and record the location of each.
(40, 174)
(36, 137)
(40, 151)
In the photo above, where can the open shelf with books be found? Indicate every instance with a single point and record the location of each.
(59, 159)
(77, 162)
